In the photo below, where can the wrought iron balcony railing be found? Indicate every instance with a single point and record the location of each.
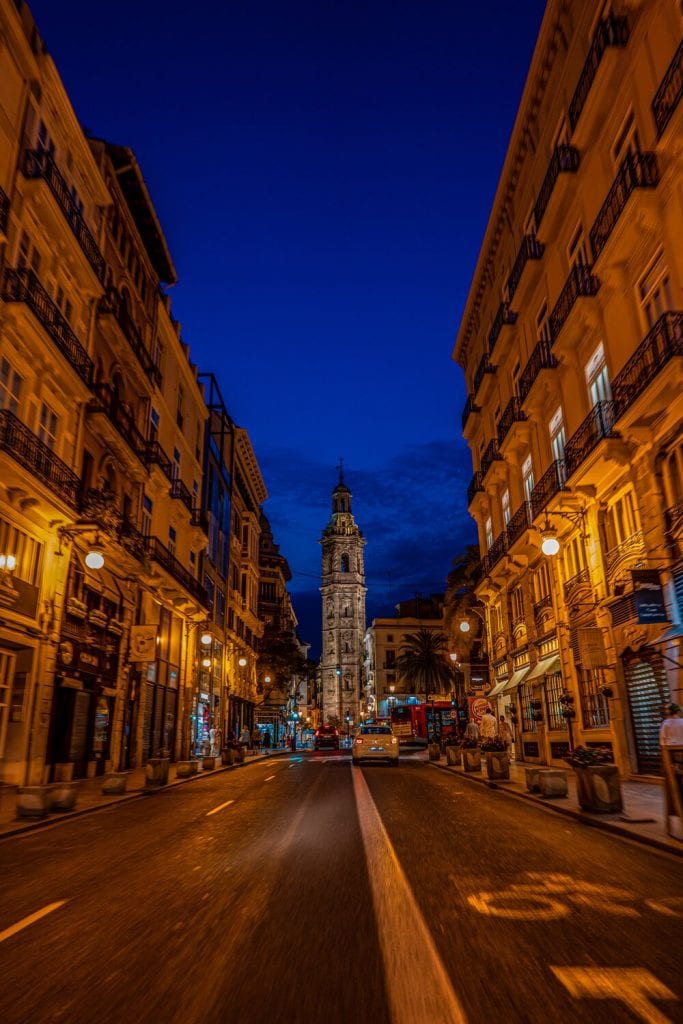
(4, 212)
(39, 164)
(629, 549)
(180, 491)
(575, 583)
(495, 552)
(539, 607)
(156, 456)
(112, 303)
(598, 425)
(565, 159)
(485, 366)
(541, 358)
(101, 506)
(161, 554)
(673, 518)
(470, 408)
(475, 485)
(530, 249)
(490, 456)
(638, 170)
(513, 413)
(504, 317)
(24, 286)
(669, 93)
(550, 484)
(119, 414)
(30, 452)
(611, 31)
(519, 522)
(662, 342)
(200, 518)
(581, 283)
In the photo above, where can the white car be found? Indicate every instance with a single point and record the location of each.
(375, 743)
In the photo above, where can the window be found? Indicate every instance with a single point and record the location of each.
(47, 426)
(574, 556)
(193, 563)
(505, 503)
(562, 134)
(154, 421)
(390, 638)
(488, 530)
(390, 659)
(594, 705)
(517, 604)
(528, 478)
(64, 304)
(10, 386)
(654, 291)
(622, 520)
(28, 257)
(627, 142)
(176, 464)
(179, 415)
(147, 515)
(344, 565)
(171, 540)
(543, 332)
(597, 377)
(577, 250)
(44, 141)
(553, 692)
(526, 695)
(558, 436)
(541, 580)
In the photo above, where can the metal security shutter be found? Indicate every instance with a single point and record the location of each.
(678, 590)
(647, 695)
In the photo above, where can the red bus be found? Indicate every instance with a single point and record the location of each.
(409, 721)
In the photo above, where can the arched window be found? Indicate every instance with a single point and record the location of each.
(344, 567)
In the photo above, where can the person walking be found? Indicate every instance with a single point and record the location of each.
(472, 731)
(671, 729)
(489, 726)
(266, 740)
(505, 734)
(256, 739)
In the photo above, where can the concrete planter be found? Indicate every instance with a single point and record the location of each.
(598, 788)
(64, 772)
(453, 756)
(185, 769)
(471, 759)
(553, 782)
(156, 772)
(434, 750)
(228, 755)
(62, 796)
(115, 782)
(32, 801)
(497, 764)
(533, 779)
(240, 754)
(208, 763)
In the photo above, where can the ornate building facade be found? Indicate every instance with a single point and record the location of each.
(343, 602)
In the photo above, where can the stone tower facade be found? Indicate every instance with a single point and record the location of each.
(343, 599)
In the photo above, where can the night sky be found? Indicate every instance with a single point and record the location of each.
(323, 173)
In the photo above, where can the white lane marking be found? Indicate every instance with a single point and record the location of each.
(404, 937)
(26, 921)
(220, 807)
(269, 778)
(634, 986)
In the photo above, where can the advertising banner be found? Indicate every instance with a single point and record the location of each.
(143, 643)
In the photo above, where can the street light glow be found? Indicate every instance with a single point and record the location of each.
(94, 559)
(242, 662)
(464, 628)
(206, 639)
(550, 545)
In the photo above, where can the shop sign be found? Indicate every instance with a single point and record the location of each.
(592, 653)
(143, 643)
(478, 706)
(647, 587)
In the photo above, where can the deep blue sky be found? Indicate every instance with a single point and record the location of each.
(324, 173)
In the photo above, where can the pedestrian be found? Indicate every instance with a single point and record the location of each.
(266, 739)
(489, 726)
(256, 738)
(671, 730)
(245, 738)
(472, 731)
(505, 733)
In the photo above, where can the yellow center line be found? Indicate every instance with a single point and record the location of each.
(220, 807)
(26, 921)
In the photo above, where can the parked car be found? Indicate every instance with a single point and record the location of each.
(375, 743)
(326, 738)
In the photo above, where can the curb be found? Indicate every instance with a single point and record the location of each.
(31, 826)
(567, 812)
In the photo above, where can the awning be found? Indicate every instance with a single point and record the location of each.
(674, 632)
(498, 688)
(516, 678)
(545, 667)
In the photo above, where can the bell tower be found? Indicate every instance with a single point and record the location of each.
(343, 599)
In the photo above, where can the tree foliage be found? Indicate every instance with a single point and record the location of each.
(421, 662)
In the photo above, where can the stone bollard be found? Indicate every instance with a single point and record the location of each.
(156, 772)
(497, 764)
(208, 763)
(62, 796)
(453, 756)
(115, 782)
(553, 782)
(32, 801)
(471, 759)
(533, 779)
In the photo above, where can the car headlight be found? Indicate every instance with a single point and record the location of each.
(394, 740)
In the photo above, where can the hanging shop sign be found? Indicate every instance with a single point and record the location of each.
(647, 589)
(143, 643)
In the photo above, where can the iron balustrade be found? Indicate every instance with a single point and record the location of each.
(504, 317)
(180, 491)
(200, 518)
(161, 554)
(550, 484)
(630, 547)
(495, 552)
(101, 506)
(470, 408)
(669, 93)
(574, 583)
(34, 455)
(24, 286)
(611, 31)
(156, 456)
(541, 358)
(598, 425)
(120, 415)
(662, 342)
(530, 249)
(513, 413)
(39, 164)
(490, 456)
(111, 303)
(519, 522)
(540, 606)
(485, 366)
(565, 159)
(475, 485)
(638, 170)
(4, 212)
(673, 517)
(581, 283)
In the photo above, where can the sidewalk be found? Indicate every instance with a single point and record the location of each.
(642, 819)
(90, 797)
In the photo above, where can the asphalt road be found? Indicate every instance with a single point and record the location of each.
(315, 892)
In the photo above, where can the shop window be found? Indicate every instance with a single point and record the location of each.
(553, 692)
(526, 697)
(594, 705)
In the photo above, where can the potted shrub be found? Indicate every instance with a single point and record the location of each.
(471, 755)
(598, 785)
(228, 755)
(497, 758)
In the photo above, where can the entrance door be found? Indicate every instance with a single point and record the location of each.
(648, 695)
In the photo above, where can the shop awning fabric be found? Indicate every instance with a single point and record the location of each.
(516, 678)
(498, 688)
(545, 667)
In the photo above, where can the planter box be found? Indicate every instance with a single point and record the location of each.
(228, 755)
(471, 759)
(533, 779)
(434, 750)
(62, 796)
(553, 782)
(64, 772)
(598, 788)
(32, 801)
(453, 755)
(156, 772)
(498, 764)
(115, 782)
(208, 763)
(239, 754)
(185, 769)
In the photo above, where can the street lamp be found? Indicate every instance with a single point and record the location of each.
(464, 627)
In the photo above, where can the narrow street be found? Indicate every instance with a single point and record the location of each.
(247, 896)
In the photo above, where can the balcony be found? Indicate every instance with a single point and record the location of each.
(504, 318)
(519, 523)
(180, 491)
(485, 366)
(200, 519)
(101, 506)
(112, 304)
(598, 425)
(118, 413)
(540, 606)
(628, 554)
(575, 585)
(513, 413)
(475, 485)
(530, 249)
(637, 171)
(668, 96)
(4, 214)
(541, 358)
(39, 164)
(24, 286)
(673, 518)
(490, 456)
(159, 553)
(550, 484)
(565, 160)
(659, 346)
(610, 32)
(156, 456)
(581, 283)
(495, 552)
(40, 461)
(471, 407)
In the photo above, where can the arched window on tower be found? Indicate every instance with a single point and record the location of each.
(344, 567)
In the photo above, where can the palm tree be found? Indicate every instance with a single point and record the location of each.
(422, 663)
